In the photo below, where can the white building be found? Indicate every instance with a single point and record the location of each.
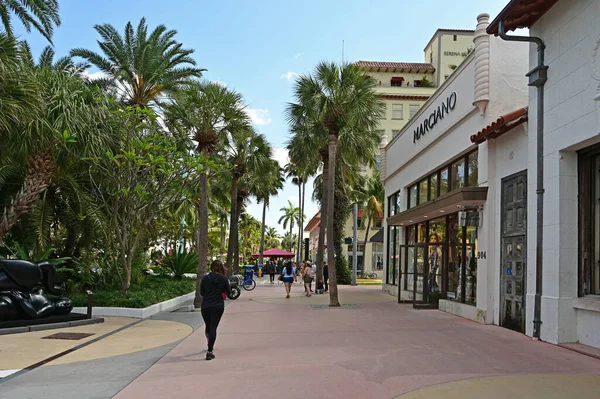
(570, 256)
(445, 174)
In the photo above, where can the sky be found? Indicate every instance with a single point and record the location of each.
(259, 47)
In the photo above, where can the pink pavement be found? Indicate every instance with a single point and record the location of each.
(381, 350)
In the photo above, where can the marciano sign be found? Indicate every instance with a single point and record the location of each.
(437, 115)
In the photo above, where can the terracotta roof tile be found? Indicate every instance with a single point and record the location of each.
(500, 126)
(395, 65)
(520, 14)
(404, 97)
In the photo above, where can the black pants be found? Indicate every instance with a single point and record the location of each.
(272, 277)
(325, 280)
(212, 317)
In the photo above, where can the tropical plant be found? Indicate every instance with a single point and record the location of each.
(424, 82)
(181, 263)
(343, 100)
(372, 199)
(291, 216)
(47, 60)
(140, 67)
(208, 112)
(42, 15)
(269, 184)
(248, 153)
(66, 127)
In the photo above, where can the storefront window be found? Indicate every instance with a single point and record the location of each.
(454, 258)
(471, 266)
(433, 186)
(457, 173)
(412, 196)
(393, 254)
(444, 181)
(472, 169)
(423, 191)
(397, 198)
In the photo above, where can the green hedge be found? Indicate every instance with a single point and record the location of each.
(150, 291)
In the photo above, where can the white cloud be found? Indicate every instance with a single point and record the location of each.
(289, 76)
(259, 116)
(298, 55)
(281, 155)
(95, 75)
(220, 83)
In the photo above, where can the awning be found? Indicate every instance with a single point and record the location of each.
(447, 203)
(397, 79)
(377, 237)
(500, 126)
(520, 14)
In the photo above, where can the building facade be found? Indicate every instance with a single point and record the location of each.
(569, 260)
(456, 184)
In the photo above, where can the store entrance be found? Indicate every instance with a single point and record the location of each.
(422, 269)
(514, 254)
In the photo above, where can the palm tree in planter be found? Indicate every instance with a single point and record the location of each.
(209, 113)
(269, 185)
(291, 216)
(42, 15)
(248, 155)
(140, 67)
(342, 99)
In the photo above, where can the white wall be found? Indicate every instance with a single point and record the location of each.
(572, 33)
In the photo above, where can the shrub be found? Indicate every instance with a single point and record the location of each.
(181, 263)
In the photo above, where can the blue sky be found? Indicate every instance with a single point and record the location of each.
(258, 47)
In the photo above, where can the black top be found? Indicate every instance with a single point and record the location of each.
(326, 272)
(212, 287)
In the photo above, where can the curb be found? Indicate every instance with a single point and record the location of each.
(51, 326)
(139, 313)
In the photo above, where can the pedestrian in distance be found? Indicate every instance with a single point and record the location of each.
(307, 276)
(326, 276)
(214, 288)
(314, 267)
(288, 274)
(271, 271)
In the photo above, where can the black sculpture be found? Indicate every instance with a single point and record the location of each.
(21, 296)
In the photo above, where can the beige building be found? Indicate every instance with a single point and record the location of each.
(404, 87)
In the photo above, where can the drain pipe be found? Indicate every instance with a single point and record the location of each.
(537, 78)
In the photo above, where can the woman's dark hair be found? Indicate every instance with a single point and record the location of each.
(217, 267)
(288, 268)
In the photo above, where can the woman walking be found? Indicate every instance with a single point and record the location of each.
(307, 276)
(214, 288)
(288, 273)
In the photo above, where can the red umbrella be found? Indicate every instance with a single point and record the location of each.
(275, 253)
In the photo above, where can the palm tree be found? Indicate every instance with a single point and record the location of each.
(141, 68)
(67, 125)
(291, 216)
(42, 15)
(47, 60)
(209, 113)
(343, 99)
(269, 184)
(373, 197)
(248, 153)
(272, 238)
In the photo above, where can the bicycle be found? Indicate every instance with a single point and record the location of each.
(370, 275)
(247, 284)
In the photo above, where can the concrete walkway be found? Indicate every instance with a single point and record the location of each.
(272, 347)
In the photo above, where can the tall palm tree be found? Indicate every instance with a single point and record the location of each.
(42, 15)
(291, 216)
(248, 154)
(270, 184)
(343, 99)
(209, 113)
(372, 199)
(141, 68)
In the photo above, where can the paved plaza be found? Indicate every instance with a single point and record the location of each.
(269, 346)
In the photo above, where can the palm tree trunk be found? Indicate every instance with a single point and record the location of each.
(223, 229)
(232, 226)
(333, 291)
(302, 219)
(299, 247)
(40, 170)
(262, 233)
(236, 244)
(323, 221)
(202, 234)
(291, 236)
(365, 244)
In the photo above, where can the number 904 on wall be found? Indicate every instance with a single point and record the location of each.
(481, 255)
